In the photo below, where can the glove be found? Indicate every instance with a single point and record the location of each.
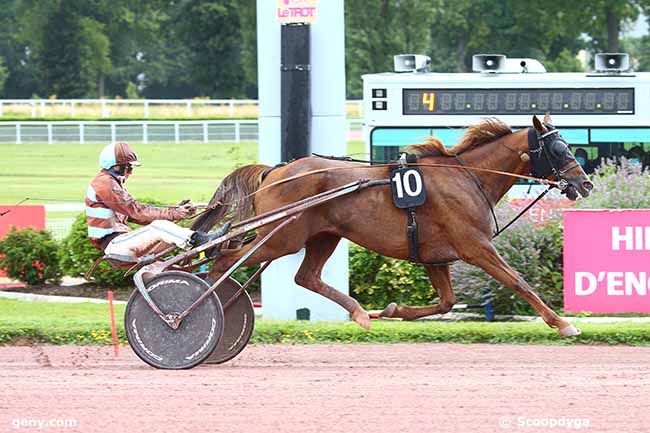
(186, 210)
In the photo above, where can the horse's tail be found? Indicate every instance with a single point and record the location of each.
(233, 198)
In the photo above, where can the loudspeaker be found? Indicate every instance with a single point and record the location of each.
(411, 63)
(612, 62)
(488, 62)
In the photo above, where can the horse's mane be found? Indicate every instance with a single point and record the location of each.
(487, 130)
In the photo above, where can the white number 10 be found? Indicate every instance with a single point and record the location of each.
(404, 185)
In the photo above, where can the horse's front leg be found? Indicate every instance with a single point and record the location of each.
(486, 257)
(441, 281)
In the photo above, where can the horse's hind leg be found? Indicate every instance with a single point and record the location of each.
(487, 258)
(441, 281)
(318, 249)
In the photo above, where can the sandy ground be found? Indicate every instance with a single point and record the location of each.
(341, 388)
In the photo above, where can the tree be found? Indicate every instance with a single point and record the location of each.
(247, 10)
(20, 30)
(517, 28)
(602, 21)
(376, 30)
(211, 32)
(95, 52)
(61, 56)
(4, 72)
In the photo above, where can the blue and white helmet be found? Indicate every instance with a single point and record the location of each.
(117, 153)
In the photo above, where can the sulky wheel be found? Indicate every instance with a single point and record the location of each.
(155, 342)
(239, 321)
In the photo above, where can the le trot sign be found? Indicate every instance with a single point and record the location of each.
(607, 261)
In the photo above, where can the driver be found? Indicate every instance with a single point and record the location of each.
(109, 207)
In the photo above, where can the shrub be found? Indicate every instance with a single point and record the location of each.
(78, 254)
(375, 280)
(535, 252)
(30, 256)
(620, 184)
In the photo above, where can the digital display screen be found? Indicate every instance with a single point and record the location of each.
(518, 101)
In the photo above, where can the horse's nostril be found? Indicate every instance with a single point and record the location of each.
(588, 185)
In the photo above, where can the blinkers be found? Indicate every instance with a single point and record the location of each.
(549, 153)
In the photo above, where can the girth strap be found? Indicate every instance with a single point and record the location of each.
(412, 224)
(412, 234)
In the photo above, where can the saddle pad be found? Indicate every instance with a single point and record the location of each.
(407, 186)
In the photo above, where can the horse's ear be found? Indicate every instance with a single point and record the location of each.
(538, 125)
(547, 118)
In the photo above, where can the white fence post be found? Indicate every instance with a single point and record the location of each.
(113, 133)
(1, 109)
(33, 110)
(19, 138)
(231, 108)
(237, 132)
(146, 109)
(189, 109)
(42, 108)
(82, 138)
(49, 133)
(145, 133)
(71, 108)
(104, 112)
(205, 132)
(177, 132)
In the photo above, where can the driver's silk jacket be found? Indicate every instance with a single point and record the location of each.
(109, 206)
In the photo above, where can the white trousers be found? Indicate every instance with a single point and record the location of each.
(150, 239)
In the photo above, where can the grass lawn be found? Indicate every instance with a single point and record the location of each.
(170, 171)
(57, 323)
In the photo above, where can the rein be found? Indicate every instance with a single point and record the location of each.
(551, 183)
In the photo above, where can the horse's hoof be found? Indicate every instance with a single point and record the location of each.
(389, 311)
(569, 331)
(361, 317)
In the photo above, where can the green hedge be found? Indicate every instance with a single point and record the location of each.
(78, 254)
(30, 256)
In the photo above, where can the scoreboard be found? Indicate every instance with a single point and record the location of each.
(600, 115)
(518, 101)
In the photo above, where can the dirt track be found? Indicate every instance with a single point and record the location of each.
(343, 388)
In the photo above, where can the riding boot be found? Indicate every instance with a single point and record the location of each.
(199, 238)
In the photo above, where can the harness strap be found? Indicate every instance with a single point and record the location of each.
(413, 238)
(539, 197)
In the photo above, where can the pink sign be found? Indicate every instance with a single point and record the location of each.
(297, 11)
(607, 261)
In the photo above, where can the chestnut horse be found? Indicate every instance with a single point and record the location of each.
(455, 223)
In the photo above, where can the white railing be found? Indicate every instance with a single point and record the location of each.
(141, 108)
(134, 131)
(137, 131)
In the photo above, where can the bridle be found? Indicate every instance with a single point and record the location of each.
(550, 154)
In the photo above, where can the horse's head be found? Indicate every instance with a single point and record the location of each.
(551, 157)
